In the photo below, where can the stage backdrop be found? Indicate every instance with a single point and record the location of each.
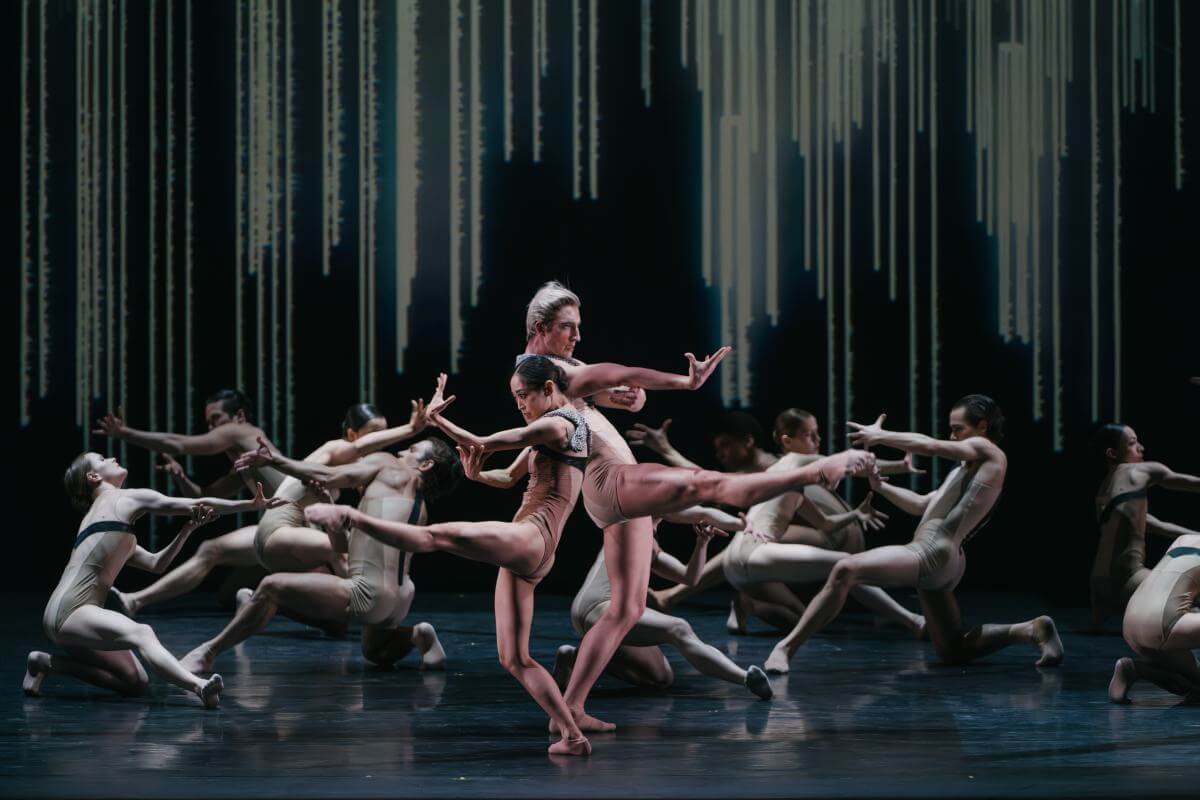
(881, 204)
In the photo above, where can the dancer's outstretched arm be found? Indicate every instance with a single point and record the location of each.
(972, 449)
(136, 502)
(504, 478)
(906, 500)
(588, 379)
(656, 441)
(1169, 529)
(1162, 475)
(217, 440)
(343, 452)
(903, 466)
(864, 514)
(668, 566)
(706, 515)
(227, 485)
(625, 398)
(358, 473)
(158, 562)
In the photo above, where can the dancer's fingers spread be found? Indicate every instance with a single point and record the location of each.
(880, 420)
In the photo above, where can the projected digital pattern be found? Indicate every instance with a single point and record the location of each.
(850, 85)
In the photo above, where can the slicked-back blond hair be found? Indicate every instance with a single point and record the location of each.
(545, 305)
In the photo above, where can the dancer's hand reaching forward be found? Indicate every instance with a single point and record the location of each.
(866, 435)
(698, 371)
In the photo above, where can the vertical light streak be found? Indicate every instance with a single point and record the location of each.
(169, 300)
(326, 128)
(750, 44)
(912, 222)
(830, 121)
(644, 52)
(1116, 239)
(1152, 52)
(476, 145)
(806, 129)
(258, 194)
(43, 287)
(408, 176)
(508, 82)
(535, 66)
(934, 327)
(726, 189)
(124, 395)
(704, 56)
(593, 99)
(79, 210)
(576, 125)
(745, 264)
(1178, 106)
(95, 155)
(893, 163)
(152, 259)
(794, 48)
(364, 330)
(772, 178)
(919, 32)
(853, 27)
(109, 160)
(289, 237)
(26, 257)
(239, 175)
(1004, 173)
(683, 33)
(1055, 289)
(372, 196)
(876, 238)
(456, 181)
(1095, 198)
(273, 151)
(820, 128)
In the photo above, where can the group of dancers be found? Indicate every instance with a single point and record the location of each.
(330, 564)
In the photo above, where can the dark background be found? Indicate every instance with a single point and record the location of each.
(633, 256)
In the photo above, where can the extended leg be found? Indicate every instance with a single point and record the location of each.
(888, 566)
(116, 670)
(95, 628)
(956, 646)
(232, 549)
(516, 546)
(514, 615)
(656, 628)
(291, 549)
(655, 489)
(322, 596)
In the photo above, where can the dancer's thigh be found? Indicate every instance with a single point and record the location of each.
(94, 628)
(943, 619)
(513, 602)
(291, 549)
(236, 548)
(315, 594)
(790, 563)
(888, 566)
(628, 551)
(1181, 661)
(1185, 635)
(802, 534)
(122, 663)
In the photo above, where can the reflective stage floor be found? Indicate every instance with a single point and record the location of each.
(864, 712)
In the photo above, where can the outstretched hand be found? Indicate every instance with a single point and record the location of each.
(653, 439)
(438, 403)
(111, 424)
(202, 514)
(705, 531)
(319, 488)
(419, 417)
(262, 502)
(471, 457)
(870, 518)
(835, 468)
(866, 435)
(258, 457)
(698, 371)
(626, 396)
(170, 466)
(909, 467)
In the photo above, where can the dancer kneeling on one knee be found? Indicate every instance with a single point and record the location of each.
(100, 644)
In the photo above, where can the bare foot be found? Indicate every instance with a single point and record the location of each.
(585, 722)
(433, 656)
(758, 683)
(736, 621)
(921, 629)
(241, 598)
(1045, 635)
(1123, 677)
(37, 667)
(209, 692)
(197, 662)
(123, 603)
(564, 665)
(777, 662)
(571, 747)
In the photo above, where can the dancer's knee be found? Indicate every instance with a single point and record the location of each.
(844, 576)
(269, 589)
(515, 661)
(133, 684)
(139, 636)
(659, 677)
(680, 631)
(957, 650)
(625, 613)
(210, 553)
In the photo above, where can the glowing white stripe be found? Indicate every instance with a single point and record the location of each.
(683, 33)
(508, 81)
(644, 52)
(109, 161)
(124, 364)
(43, 285)
(239, 174)
(576, 125)
(1178, 105)
(593, 99)
(893, 162)
(477, 153)
(772, 179)
(169, 232)
(704, 54)
(456, 181)
(934, 327)
(912, 223)
(407, 168)
(1095, 197)
(536, 74)
(1116, 240)
(876, 237)
(289, 236)
(26, 257)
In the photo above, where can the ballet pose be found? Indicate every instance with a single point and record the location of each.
(1161, 624)
(1122, 511)
(279, 541)
(100, 644)
(620, 495)
(376, 592)
(933, 562)
(640, 659)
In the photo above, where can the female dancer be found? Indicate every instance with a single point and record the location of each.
(280, 541)
(760, 558)
(933, 562)
(640, 660)
(99, 642)
(1162, 625)
(613, 501)
(1121, 508)
(396, 487)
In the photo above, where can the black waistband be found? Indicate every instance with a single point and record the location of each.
(1176, 552)
(414, 516)
(578, 462)
(103, 526)
(1117, 500)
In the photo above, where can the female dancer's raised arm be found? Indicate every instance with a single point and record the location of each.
(157, 563)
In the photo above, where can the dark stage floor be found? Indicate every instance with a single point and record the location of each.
(864, 712)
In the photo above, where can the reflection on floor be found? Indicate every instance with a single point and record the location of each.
(865, 711)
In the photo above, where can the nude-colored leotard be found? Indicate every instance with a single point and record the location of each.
(95, 561)
(961, 507)
(1164, 597)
